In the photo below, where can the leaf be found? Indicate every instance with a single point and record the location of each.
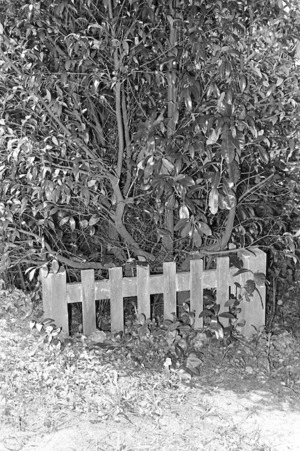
(197, 239)
(94, 220)
(180, 224)
(187, 181)
(39, 326)
(193, 361)
(206, 313)
(227, 315)
(187, 230)
(213, 201)
(72, 223)
(263, 154)
(163, 233)
(241, 271)
(259, 278)
(167, 167)
(44, 271)
(230, 303)
(204, 228)
(270, 90)
(223, 202)
(83, 224)
(242, 83)
(236, 261)
(213, 137)
(32, 273)
(63, 221)
(184, 212)
(231, 199)
(54, 266)
(250, 286)
(236, 173)
(228, 148)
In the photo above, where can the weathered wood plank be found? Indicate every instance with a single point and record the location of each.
(223, 281)
(88, 301)
(54, 293)
(74, 292)
(253, 312)
(116, 299)
(143, 291)
(196, 290)
(169, 289)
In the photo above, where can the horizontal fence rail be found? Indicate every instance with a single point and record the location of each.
(57, 293)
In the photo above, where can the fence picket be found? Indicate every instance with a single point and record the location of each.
(196, 290)
(55, 305)
(143, 290)
(169, 289)
(223, 282)
(253, 312)
(116, 299)
(88, 301)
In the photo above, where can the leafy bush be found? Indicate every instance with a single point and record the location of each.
(147, 130)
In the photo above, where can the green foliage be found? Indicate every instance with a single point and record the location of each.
(49, 334)
(113, 114)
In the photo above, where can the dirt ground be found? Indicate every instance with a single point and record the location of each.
(59, 403)
(198, 420)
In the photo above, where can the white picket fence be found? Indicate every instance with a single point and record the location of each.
(57, 293)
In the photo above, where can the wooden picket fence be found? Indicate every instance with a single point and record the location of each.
(57, 293)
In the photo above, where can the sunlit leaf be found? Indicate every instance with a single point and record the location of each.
(55, 266)
(72, 223)
(204, 228)
(184, 212)
(94, 220)
(213, 201)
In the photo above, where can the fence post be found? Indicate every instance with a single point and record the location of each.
(223, 282)
(143, 290)
(88, 301)
(196, 290)
(116, 299)
(169, 289)
(54, 292)
(253, 312)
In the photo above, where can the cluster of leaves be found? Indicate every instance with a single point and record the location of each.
(115, 114)
(49, 333)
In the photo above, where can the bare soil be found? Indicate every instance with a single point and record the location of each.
(80, 400)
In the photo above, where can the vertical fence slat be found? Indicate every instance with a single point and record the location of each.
(196, 290)
(169, 289)
(223, 281)
(54, 292)
(88, 301)
(116, 299)
(252, 312)
(143, 290)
